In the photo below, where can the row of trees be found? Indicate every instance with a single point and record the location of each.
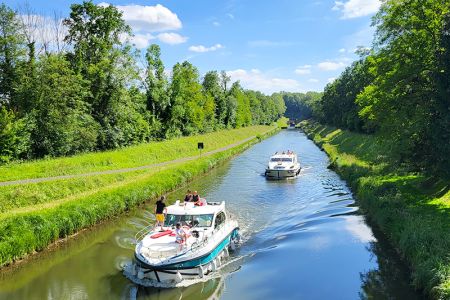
(92, 94)
(301, 106)
(401, 87)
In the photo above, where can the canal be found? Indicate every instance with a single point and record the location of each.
(302, 239)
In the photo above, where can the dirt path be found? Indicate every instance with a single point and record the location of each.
(183, 159)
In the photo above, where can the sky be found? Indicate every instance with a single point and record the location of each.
(270, 46)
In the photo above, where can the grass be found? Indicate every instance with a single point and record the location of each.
(412, 209)
(133, 156)
(35, 215)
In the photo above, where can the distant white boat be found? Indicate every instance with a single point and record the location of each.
(210, 232)
(283, 165)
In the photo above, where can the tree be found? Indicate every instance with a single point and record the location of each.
(211, 88)
(62, 123)
(12, 51)
(243, 114)
(157, 91)
(14, 136)
(405, 100)
(186, 110)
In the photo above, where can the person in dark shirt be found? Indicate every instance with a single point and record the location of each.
(160, 211)
(188, 197)
(195, 198)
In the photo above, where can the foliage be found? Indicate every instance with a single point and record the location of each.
(62, 123)
(301, 106)
(11, 52)
(400, 88)
(14, 137)
(94, 96)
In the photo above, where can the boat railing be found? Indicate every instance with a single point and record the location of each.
(139, 236)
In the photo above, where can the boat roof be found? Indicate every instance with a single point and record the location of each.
(188, 208)
(283, 154)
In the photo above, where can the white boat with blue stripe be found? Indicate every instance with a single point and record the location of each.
(160, 256)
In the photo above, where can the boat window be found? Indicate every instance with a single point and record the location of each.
(287, 159)
(189, 220)
(220, 219)
(275, 159)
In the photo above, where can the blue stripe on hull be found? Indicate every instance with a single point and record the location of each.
(201, 260)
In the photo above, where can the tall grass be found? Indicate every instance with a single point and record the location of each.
(412, 209)
(33, 230)
(133, 156)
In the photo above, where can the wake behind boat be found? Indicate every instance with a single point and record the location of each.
(283, 165)
(209, 234)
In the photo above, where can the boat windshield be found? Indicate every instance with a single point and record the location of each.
(189, 220)
(281, 159)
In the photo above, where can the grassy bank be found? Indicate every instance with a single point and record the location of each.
(133, 156)
(42, 213)
(412, 209)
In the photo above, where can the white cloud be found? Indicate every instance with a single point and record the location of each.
(342, 50)
(330, 65)
(141, 40)
(215, 23)
(356, 8)
(260, 81)
(148, 18)
(313, 80)
(145, 20)
(303, 70)
(201, 48)
(331, 79)
(172, 38)
(231, 16)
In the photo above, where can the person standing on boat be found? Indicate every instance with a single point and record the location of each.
(160, 212)
(188, 197)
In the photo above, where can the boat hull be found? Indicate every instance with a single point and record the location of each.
(192, 268)
(282, 173)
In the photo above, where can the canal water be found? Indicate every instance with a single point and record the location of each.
(302, 239)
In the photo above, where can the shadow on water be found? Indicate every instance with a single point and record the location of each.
(303, 239)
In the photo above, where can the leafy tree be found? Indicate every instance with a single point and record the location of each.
(14, 136)
(156, 85)
(405, 99)
(212, 89)
(12, 52)
(62, 123)
(243, 114)
(186, 113)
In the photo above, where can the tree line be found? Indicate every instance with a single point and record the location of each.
(85, 90)
(400, 88)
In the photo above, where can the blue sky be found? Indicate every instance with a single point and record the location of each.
(290, 45)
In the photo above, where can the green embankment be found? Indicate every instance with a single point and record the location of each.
(412, 209)
(133, 156)
(33, 215)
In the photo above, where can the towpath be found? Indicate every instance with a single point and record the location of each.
(124, 170)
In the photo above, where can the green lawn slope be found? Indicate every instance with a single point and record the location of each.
(133, 156)
(412, 209)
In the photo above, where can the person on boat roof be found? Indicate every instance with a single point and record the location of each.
(195, 197)
(160, 212)
(198, 201)
(188, 197)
